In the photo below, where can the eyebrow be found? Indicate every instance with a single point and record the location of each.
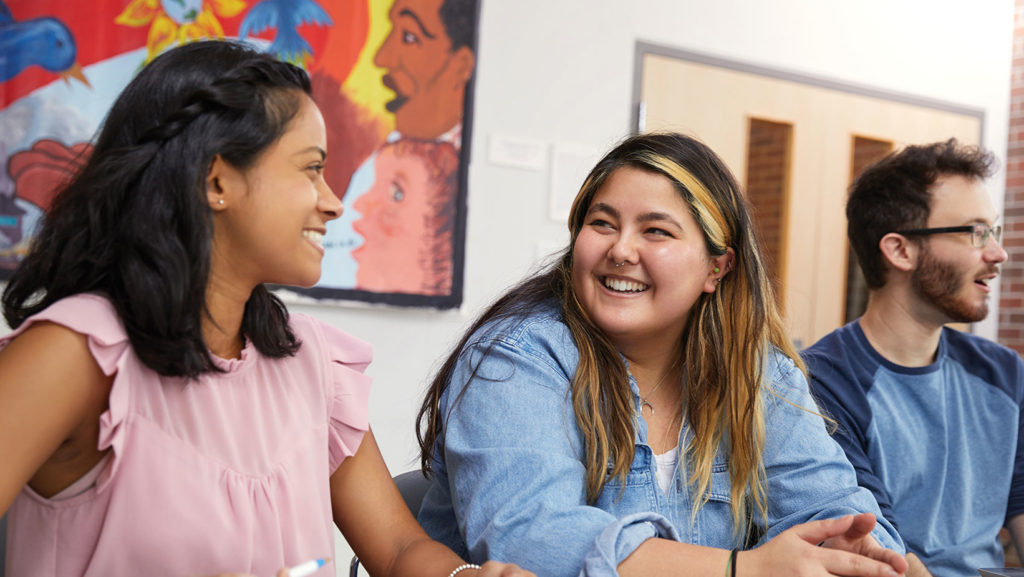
(971, 221)
(323, 153)
(653, 216)
(411, 14)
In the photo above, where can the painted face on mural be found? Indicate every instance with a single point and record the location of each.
(406, 220)
(427, 76)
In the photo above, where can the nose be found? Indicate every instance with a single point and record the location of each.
(364, 203)
(328, 203)
(994, 251)
(623, 250)
(384, 58)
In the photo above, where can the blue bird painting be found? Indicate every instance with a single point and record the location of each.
(45, 42)
(285, 16)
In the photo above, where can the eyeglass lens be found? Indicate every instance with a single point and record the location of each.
(981, 234)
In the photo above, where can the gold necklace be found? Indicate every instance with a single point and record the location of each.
(643, 399)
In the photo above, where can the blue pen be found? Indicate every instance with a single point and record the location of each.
(308, 568)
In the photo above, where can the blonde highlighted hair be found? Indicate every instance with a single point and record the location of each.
(729, 334)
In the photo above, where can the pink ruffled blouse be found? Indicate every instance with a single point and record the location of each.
(227, 473)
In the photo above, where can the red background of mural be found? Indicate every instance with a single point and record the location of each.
(98, 37)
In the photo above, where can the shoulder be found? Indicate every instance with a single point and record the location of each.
(963, 344)
(542, 324)
(989, 361)
(91, 316)
(778, 365)
(840, 361)
(88, 313)
(57, 360)
(537, 337)
(782, 376)
(327, 340)
(834, 344)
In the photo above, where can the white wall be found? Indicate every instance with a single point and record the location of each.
(561, 71)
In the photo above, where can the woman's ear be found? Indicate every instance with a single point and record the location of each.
(223, 182)
(720, 266)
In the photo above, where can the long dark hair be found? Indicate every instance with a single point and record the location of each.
(728, 335)
(135, 225)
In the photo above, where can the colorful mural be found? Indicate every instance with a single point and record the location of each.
(392, 77)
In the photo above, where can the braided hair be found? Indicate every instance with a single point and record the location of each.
(134, 224)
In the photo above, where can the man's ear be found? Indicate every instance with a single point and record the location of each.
(899, 251)
(463, 62)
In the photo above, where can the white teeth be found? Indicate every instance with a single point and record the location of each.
(624, 286)
(314, 236)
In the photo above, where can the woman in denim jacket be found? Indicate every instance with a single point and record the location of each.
(637, 408)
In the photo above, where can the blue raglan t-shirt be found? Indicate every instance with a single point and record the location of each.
(937, 445)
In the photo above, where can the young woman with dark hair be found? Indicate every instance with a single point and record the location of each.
(161, 413)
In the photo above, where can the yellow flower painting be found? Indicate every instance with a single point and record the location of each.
(173, 22)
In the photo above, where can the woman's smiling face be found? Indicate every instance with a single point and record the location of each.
(639, 219)
(271, 228)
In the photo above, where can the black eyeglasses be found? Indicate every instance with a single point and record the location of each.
(980, 233)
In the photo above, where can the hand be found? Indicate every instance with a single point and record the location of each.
(858, 539)
(848, 550)
(498, 569)
(915, 567)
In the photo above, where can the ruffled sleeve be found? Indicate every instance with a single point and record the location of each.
(95, 317)
(348, 392)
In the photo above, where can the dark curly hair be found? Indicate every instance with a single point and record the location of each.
(134, 224)
(894, 194)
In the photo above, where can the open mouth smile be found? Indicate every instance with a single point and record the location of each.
(623, 286)
(316, 237)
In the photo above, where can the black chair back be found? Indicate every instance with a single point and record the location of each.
(3, 543)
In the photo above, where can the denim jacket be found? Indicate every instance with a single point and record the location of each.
(511, 483)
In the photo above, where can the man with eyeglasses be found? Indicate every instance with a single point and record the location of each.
(930, 417)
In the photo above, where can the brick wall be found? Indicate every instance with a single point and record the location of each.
(1011, 301)
(767, 183)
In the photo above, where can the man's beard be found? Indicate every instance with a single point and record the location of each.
(939, 283)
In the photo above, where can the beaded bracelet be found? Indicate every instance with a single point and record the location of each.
(463, 567)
